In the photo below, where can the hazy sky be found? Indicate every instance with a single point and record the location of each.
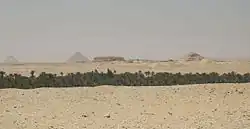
(52, 30)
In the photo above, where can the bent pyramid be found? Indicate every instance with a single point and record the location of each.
(10, 60)
(78, 58)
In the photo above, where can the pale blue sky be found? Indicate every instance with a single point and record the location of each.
(52, 30)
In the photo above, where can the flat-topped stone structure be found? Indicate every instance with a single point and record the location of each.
(108, 58)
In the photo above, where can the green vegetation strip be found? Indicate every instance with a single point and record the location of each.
(96, 78)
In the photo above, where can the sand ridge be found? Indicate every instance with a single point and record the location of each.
(217, 106)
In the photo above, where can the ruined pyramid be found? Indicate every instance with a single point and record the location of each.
(10, 60)
(77, 58)
(192, 56)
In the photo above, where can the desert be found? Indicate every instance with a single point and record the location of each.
(124, 64)
(197, 106)
(217, 106)
(190, 62)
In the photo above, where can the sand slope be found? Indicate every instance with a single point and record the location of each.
(220, 106)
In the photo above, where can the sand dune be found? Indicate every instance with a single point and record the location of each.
(222, 106)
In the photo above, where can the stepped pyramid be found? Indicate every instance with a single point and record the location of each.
(78, 58)
(10, 60)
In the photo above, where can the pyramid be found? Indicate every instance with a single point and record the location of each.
(10, 60)
(78, 58)
(192, 56)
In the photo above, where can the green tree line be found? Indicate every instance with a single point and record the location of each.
(96, 78)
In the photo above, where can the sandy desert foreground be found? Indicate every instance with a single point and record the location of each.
(220, 106)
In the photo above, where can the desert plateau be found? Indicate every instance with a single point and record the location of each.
(122, 66)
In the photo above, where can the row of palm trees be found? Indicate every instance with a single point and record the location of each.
(96, 78)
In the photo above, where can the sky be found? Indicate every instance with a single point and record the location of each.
(53, 30)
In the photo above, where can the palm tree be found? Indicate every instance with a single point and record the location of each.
(2, 73)
(32, 73)
(147, 73)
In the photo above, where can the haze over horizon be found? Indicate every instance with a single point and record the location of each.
(54, 30)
